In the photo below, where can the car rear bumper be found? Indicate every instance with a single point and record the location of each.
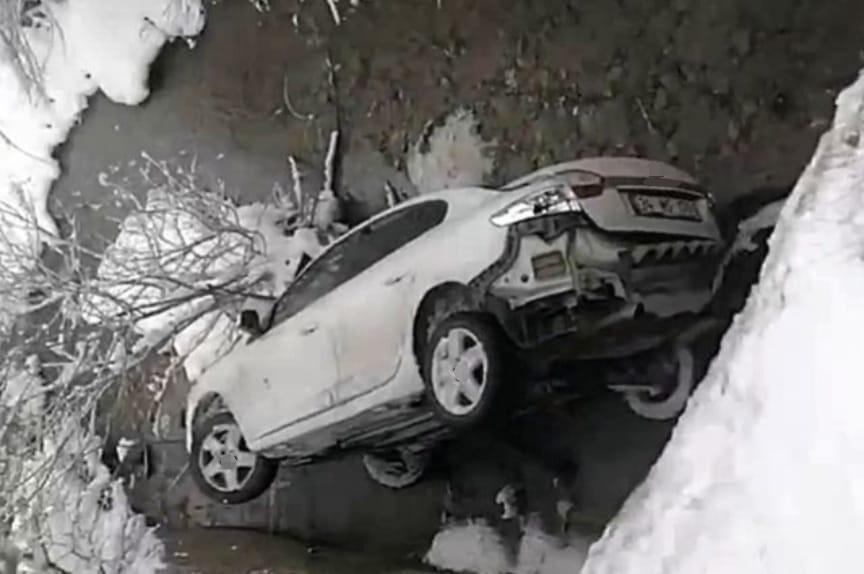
(563, 276)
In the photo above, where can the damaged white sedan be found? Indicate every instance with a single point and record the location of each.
(446, 310)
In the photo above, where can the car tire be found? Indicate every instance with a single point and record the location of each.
(396, 469)
(222, 465)
(464, 369)
(671, 402)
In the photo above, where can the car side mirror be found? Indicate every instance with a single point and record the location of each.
(250, 322)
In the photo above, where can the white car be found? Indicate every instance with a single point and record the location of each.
(436, 314)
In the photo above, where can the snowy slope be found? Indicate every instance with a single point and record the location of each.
(765, 470)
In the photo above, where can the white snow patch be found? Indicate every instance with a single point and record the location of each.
(765, 470)
(475, 547)
(540, 553)
(451, 155)
(470, 547)
(71, 510)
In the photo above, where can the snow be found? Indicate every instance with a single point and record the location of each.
(474, 546)
(764, 472)
(470, 547)
(77, 516)
(83, 46)
(72, 513)
(451, 155)
(185, 244)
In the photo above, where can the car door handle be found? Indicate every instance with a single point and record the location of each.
(396, 280)
(309, 329)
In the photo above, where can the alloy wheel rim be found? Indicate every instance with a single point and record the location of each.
(460, 368)
(225, 461)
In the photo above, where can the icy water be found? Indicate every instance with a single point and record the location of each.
(246, 552)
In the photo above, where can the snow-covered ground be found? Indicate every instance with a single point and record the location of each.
(765, 470)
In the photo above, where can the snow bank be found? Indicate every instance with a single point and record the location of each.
(70, 512)
(765, 470)
(451, 155)
(83, 46)
(476, 547)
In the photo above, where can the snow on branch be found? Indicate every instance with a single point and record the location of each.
(88, 320)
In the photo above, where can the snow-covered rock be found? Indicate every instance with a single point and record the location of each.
(473, 546)
(451, 155)
(765, 470)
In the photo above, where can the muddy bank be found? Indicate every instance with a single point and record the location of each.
(235, 552)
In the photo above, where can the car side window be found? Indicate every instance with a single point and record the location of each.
(364, 247)
(403, 226)
(323, 275)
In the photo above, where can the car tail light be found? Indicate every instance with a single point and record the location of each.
(560, 196)
(548, 265)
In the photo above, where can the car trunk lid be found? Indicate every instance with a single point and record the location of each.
(663, 207)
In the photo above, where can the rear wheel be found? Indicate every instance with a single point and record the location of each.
(397, 468)
(464, 369)
(222, 465)
(668, 401)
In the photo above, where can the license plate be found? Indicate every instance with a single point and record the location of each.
(664, 207)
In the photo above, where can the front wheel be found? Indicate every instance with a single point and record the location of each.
(222, 465)
(464, 369)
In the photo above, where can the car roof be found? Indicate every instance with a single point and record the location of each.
(608, 167)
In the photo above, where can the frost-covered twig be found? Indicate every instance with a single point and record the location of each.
(330, 160)
(296, 177)
(334, 11)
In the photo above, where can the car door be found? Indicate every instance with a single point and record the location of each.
(371, 312)
(294, 362)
